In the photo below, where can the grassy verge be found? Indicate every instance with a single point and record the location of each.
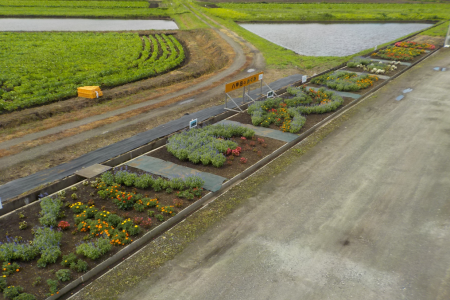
(330, 12)
(188, 21)
(440, 30)
(278, 57)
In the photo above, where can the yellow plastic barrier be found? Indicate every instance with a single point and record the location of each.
(91, 92)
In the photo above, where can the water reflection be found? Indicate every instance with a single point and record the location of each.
(10, 24)
(332, 39)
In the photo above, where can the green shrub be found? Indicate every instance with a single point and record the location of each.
(79, 266)
(68, 259)
(144, 181)
(159, 217)
(203, 145)
(63, 275)
(177, 184)
(94, 250)
(108, 178)
(25, 296)
(3, 283)
(50, 211)
(52, 285)
(10, 268)
(12, 291)
(114, 220)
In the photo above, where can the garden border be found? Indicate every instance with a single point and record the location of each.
(50, 188)
(73, 180)
(212, 195)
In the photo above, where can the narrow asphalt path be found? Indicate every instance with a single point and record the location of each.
(363, 215)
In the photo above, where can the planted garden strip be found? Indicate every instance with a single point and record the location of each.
(170, 170)
(385, 60)
(359, 73)
(343, 94)
(99, 219)
(266, 132)
(246, 172)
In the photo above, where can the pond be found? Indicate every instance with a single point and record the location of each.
(11, 24)
(332, 39)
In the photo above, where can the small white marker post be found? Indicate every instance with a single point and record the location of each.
(375, 48)
(447, 39)
(1, 203)
(192, 123)
(304, 78)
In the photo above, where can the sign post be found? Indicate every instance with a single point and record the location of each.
(192, 123)
(245, 82)
(447, 39)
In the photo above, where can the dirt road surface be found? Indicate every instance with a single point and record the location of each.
(364, 215)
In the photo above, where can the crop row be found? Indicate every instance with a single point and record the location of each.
(91, 4)
(52, 67)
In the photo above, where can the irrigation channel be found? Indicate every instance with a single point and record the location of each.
(12, 24)
(336, 39)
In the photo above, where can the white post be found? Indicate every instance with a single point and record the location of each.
(447, 39)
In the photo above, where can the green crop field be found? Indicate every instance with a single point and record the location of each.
(46, 67)
(98, 9)
(328, 12)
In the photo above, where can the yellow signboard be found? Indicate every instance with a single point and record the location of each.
(243, 82)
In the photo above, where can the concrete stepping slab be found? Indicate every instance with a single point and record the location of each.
(92, 171)
(170, 170)
(263, 131)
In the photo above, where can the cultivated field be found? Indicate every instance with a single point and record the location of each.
(47, 67)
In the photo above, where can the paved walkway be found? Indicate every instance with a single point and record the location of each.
(364, 215)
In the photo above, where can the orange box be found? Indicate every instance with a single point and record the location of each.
(90, 92)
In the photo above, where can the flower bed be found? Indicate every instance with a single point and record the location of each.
(398, 53)
(208, 145)
(251, 149)
(287, 113)
(345, 81)
(368, 65)
(82, 226)
(415, 45)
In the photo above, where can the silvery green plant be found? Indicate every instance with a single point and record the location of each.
(94, 250)
(50, 211)
(143, 181)
(207, 144)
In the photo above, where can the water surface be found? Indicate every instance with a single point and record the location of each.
(11, 24)
(332, 39)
